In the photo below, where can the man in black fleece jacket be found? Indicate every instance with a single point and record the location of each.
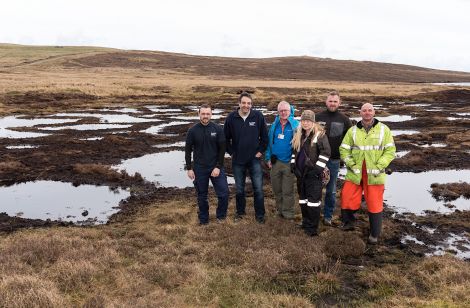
(207, 140)
(336, 125)
(247, 138)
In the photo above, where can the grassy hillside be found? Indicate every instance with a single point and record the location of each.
(29, 74)
(297, 68)
(12, 55)
(284, 68)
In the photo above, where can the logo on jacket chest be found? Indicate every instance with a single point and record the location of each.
(213, 134)
(252, 123)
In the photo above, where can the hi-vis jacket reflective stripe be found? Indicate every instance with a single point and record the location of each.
(376, 147)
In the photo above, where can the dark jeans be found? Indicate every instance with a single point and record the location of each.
(203, 174)
(256, 175)
(330, 194)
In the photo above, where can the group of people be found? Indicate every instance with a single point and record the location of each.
(293, 152)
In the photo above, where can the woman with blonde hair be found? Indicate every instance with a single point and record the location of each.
(309, 158)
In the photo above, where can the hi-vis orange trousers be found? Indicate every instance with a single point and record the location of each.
(351, 195)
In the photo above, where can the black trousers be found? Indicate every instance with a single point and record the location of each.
(310, 196)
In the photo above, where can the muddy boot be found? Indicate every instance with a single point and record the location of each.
(375, 222)
(348, 219)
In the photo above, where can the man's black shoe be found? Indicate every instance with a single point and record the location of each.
(238, 217)
(260, 220)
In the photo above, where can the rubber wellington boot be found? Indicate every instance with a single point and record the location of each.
(315, 214)
(312, 221)
(348, 219)
(303, 210)
(375, 222)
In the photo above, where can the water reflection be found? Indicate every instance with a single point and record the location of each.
(155, 130)
(161, 108)
(108, 118)
(410, 192)
(391, 118)
(434, 145)
(169, 145)
(400, 154)
(396, 132)
(460, 84)
(60, 201)
(458, 245)
(166, 168)
(92, 138)
(13, 134)
(15, 121)
(196, 117)
(122, 110)
(25, 146)
(88, 127)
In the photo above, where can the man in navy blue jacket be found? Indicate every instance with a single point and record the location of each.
(247, 138)
(206, 141)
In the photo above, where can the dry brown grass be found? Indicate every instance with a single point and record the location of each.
(433, 282)
(10, 165)
(44, 74)
(102, 171)
(450, 191)
(29, 291)
(164, 259)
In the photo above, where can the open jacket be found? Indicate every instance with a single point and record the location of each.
(293, 123)
(376, 148)
(317, 154)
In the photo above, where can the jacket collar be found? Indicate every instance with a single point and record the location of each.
(359, 124)
(290, 119)
(237, 114)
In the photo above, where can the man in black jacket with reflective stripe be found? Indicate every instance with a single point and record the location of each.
(247, 139)
(336, 125)
(207, 140)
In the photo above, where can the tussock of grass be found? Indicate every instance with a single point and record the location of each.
(441, 281)
(103, 171)
(164, 259)
(73, 275)
(29, 291)
(344, 244)
(10, 166)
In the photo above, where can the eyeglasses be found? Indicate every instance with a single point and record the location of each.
(284, 110)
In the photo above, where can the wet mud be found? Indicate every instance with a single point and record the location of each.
(450, 191)
(80, 157)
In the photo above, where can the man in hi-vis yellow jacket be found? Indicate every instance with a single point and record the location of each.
(367, 149)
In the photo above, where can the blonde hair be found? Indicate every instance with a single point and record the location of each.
(297, 139)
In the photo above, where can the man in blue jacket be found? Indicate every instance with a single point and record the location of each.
(247, 137)
(278, 156)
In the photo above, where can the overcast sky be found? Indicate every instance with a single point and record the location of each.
(426, 33)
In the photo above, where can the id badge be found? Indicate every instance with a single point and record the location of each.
(280, 136)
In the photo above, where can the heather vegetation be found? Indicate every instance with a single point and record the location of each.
(162, 258)
(153, 253)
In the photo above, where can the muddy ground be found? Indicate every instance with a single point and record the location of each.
(66, 157)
